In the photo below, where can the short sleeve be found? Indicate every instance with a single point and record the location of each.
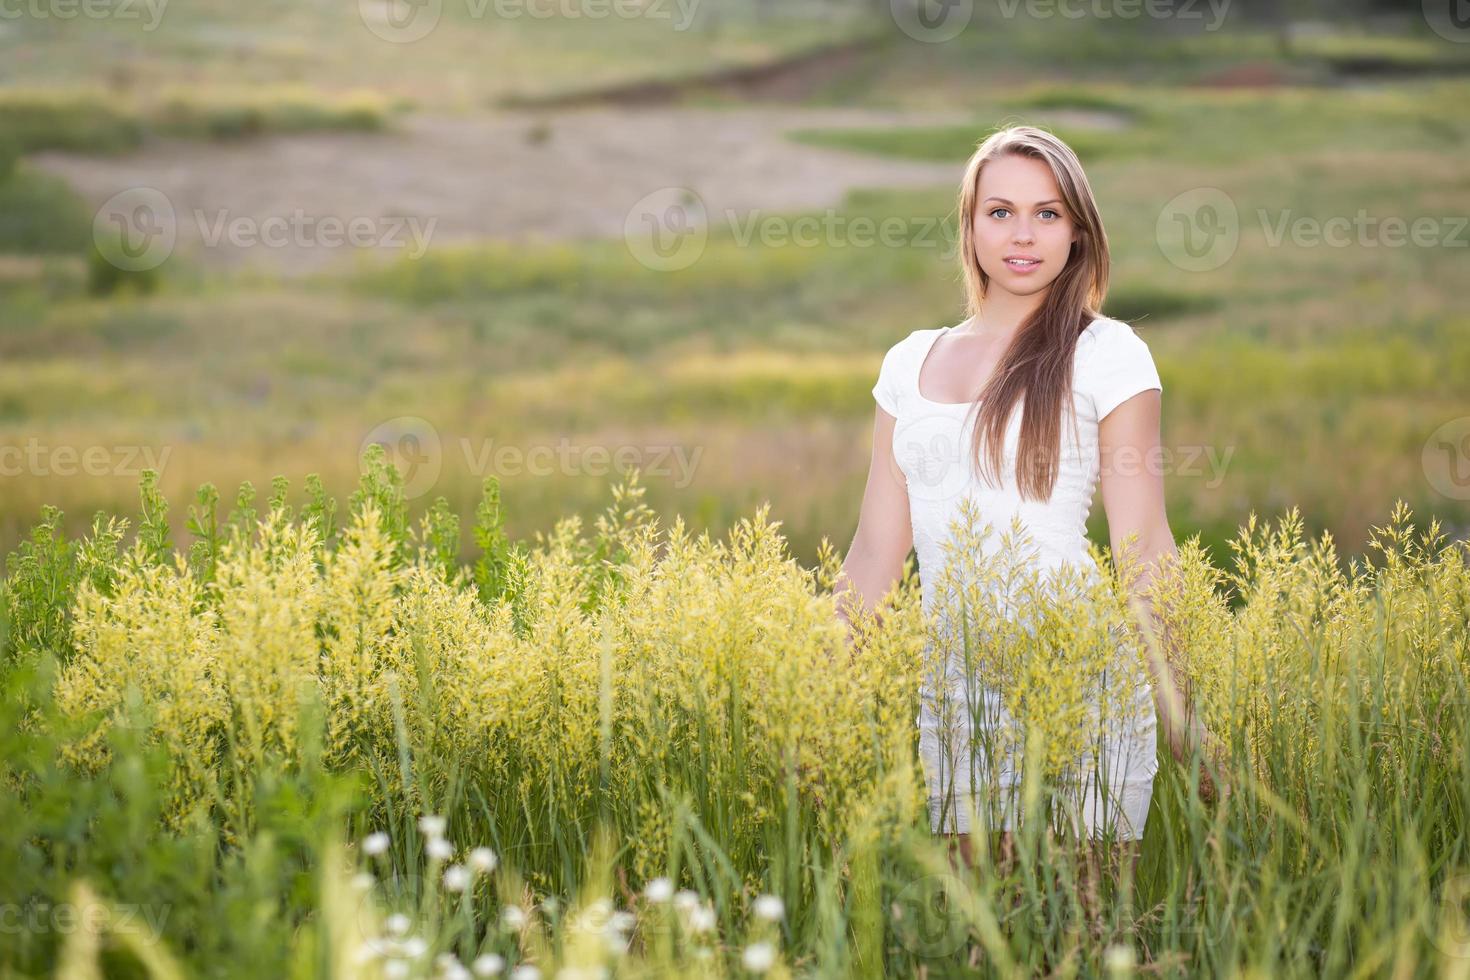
(886, 391)
(1118, 367)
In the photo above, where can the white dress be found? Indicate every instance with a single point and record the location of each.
(932, 446)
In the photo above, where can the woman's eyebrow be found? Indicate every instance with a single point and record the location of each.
(1012, 203)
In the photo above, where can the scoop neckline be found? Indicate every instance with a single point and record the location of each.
(930, 349)
(924, 359)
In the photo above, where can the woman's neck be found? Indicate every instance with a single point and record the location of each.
(1001, 315)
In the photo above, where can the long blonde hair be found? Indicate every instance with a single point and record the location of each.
(1038, 362)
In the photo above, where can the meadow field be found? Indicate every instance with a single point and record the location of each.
(468, 612)
(756, 360)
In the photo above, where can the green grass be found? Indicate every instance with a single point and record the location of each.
(39, 214)
(1377, 52)
(84, 122)
(1140, 304)
(956, 142)
(471, 59)
(1081, 57)
(100, 122)
(666, 708)
(1294, 376)
(1112, 100)
(1161, 123)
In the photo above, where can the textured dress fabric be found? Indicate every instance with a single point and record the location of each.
(932, 447)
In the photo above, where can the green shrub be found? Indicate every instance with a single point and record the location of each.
(40, 214)
(108, 270)
(9, 155)
(82, 121)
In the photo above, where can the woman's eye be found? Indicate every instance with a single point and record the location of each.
(994, 210)
(1050, 212)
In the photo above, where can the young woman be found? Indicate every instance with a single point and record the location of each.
(1033, 353)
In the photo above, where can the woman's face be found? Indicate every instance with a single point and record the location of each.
(1019, 215)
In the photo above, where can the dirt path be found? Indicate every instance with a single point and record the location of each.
(516, 176)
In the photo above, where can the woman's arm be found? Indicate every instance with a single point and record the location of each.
(1133, 498)
(884, 534)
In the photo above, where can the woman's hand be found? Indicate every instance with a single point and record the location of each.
(1214, 776)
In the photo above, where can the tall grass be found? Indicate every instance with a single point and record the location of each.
(631, 749)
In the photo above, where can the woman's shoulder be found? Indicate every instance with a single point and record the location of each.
(1113, 363)
(1108, 341)
(1105, 330)
(913, 339)
(902, 352)
(900, 362)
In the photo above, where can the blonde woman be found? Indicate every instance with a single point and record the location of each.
(1035, 262)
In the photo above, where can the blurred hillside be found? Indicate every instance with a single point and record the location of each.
(514, 174)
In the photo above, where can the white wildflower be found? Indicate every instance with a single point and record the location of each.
(1118, 958)
(702, 919)
(659, 890)
(432, 826)
(483, 860)
(488, 965)
(758, 957)
(456, 878)
(770, 908)
(450, 968)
